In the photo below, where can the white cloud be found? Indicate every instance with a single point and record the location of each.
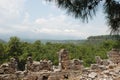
(50, 26)
(10, 9)
(63, 25)
(69, 30)
(26, 18)
(59, 22)
(5, 31)
(55, 27)
(55, 31)
(41, 21)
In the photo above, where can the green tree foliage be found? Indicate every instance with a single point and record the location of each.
(85, 51)
(86, 9)
(2, 53)
(104, 37)
(14, 47)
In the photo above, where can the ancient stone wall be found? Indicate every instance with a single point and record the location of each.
(76, 64)
(36, 66)
(66, 63)
(10, 67)
(114, 56)
(71, 70)
(64, 59)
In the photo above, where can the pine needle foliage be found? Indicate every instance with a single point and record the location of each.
(86, 9)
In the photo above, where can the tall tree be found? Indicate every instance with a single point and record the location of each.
(14, 47)
(86, 9)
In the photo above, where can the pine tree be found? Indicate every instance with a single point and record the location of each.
(86, 9)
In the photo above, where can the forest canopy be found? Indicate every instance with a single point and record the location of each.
(85, 51)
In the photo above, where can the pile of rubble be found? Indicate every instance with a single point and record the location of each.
(36, 66)
(108, 69)
(9, 68)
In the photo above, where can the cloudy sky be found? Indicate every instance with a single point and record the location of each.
(36, 19)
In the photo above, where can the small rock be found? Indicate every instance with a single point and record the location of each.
(92, 75)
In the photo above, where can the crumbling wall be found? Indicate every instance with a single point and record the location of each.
(107, 69)
(8, 68)
(76, 64)
(64, 59)
(36, 66)
(114, 56)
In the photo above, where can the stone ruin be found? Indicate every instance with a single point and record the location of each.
(36, 66)
(76, 64)
(63, 59)
(114, 56)
(102, 62)
(107, 69)
(8, 68)
(66, 64)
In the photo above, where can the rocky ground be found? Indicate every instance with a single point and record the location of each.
(108, 69)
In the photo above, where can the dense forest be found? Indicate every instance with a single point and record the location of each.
(85, 51)
(104, 37)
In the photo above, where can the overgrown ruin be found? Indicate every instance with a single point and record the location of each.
(108, 69)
